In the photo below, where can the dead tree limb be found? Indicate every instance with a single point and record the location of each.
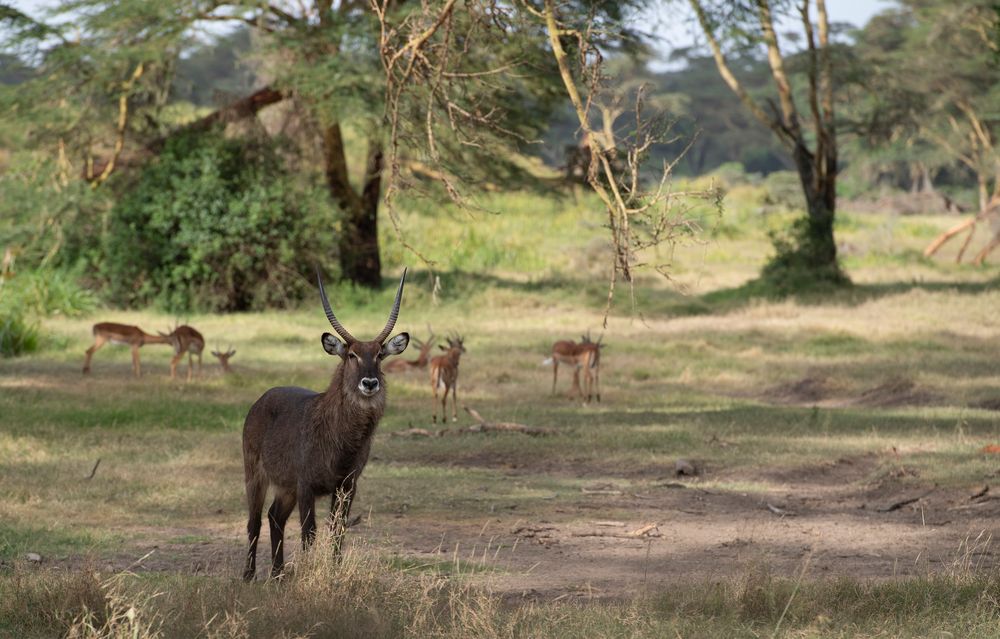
(905, 502)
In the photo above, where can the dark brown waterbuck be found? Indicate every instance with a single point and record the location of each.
(307, 444)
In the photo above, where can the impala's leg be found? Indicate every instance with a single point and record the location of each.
(575, 390)
(434, 387)
(444, 405)
(256, 491)
(99, 341)
(199, 363)
(307, 514)
(173, 364)
(555, 373)
(454, 402)
(136, 367)
(190, 365)
(981, 257)
(597, 382)
(277, 516)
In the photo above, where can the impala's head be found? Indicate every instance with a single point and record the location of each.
(455, 342)
(362, 360)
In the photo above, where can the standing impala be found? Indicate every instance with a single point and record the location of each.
(402, 365)
(307, 444)
(133, 336)
(585, 356)
(444, 373)
(185, 340)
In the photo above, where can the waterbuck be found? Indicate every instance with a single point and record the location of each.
(307, 444)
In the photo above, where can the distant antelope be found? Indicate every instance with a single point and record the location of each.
(401, 365)
(307, 444)
(133, 336)
(585, 356)
(185, 340)
(224, 358)
(444, 373)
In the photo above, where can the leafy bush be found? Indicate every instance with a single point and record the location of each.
(47, 292)
(17, 336)
(214, 224)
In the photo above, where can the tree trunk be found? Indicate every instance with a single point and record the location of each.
(819, 184)
(359, 255)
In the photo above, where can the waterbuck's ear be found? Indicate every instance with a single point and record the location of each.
(333, 346)
(396, 345)
(442, 347)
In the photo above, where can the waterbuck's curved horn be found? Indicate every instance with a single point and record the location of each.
(337, 326)
(395, 311)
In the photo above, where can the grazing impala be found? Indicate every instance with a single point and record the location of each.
(185, 340)
(224, 358)
(307, 444)
(133, 336)
(402, 365)
(444, 373)
(585, 356)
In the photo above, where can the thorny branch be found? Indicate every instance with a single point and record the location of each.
(432, 93)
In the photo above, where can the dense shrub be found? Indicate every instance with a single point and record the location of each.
(213, 224)
(47, 292)
(17, 335)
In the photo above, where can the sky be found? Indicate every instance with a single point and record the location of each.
(672, 23)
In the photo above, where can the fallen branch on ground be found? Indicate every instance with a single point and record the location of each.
(649, 530)
(905, 502)
(781, 512)
(93, 471)
(485, 426)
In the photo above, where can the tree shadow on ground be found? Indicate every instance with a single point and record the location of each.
(667, 301)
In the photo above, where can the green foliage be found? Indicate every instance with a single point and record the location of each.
(213, 224)
(17, 335)
(47, 292)
(794, 269)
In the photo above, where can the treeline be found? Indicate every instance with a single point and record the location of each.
(166, 165)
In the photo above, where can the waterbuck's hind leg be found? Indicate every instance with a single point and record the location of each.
(555, 372)
(277, 517)
(256, 491)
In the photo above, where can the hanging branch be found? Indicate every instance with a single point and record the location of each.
(122, 124)
(441, 69)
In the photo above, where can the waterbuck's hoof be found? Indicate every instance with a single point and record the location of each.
(248, 575)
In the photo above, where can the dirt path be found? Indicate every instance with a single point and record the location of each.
(821, 517)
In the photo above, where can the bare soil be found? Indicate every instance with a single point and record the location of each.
(827, 520)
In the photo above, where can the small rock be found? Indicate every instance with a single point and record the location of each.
(33, 557)
(684, 467)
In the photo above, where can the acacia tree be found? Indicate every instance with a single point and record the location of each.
(810, 137)
(324, 55)
(429, 84)
(935, 83)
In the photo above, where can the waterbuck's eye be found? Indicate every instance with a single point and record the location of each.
(354, 356)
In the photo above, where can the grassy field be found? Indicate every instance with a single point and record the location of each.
(810, 421)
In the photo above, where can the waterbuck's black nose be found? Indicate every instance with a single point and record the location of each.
(369, 384)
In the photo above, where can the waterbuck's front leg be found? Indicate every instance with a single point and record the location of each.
(277, 516)
(307, 514)
(340, 510)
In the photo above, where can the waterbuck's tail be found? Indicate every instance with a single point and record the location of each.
(547, 362)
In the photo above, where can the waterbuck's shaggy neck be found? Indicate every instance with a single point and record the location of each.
(306, 444)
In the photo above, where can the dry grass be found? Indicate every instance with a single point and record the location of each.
(693, 372)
